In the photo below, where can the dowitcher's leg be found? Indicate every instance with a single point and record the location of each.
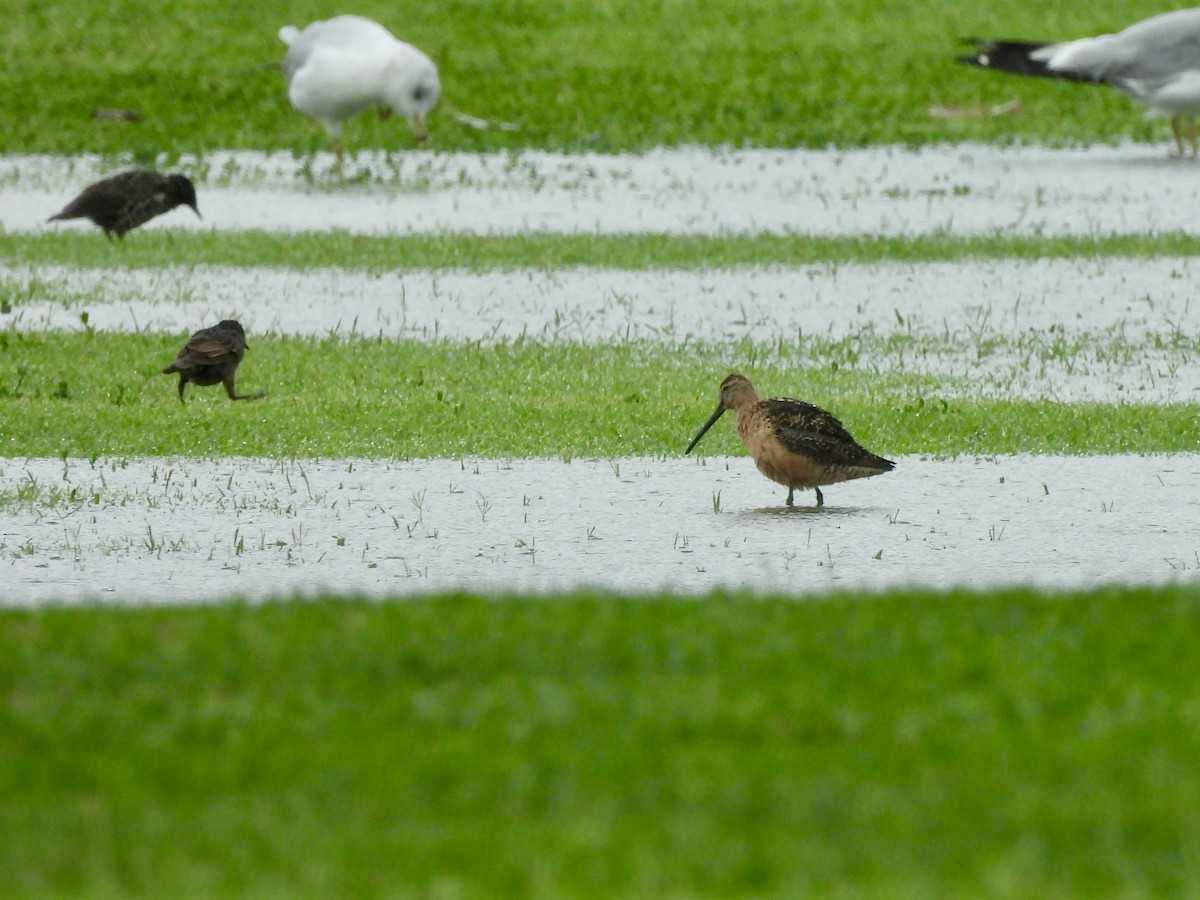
(820, 498)
(182, 384)
(789, 499)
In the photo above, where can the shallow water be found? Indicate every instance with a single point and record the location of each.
(960, 189)
(1071, 329)
(183, 531)
(172, 530)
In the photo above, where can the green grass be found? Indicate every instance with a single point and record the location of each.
(911, 744)
(87, 395)
(1008, 744)
(483, 253)
(574, 74)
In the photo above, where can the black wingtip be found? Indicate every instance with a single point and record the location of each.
(1014, 57)
(1007, 56)
(972, 59)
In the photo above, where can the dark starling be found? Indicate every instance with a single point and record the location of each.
(211, 356)
(125, 201)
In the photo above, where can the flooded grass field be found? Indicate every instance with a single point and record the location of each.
(181, 531)
(959, 189)
(1069, 329)
(548, 653)
(988, 298)
(1097, 329)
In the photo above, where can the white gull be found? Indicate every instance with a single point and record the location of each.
(339, 67)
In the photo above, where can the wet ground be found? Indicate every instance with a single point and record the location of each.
(958, 189)
(170, 530)
(1102, 329)
(1105, 329)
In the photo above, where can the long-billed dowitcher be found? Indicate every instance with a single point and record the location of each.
(339, 67)
(211, 356)
(1155, 61)
(125, 201)
(793, 443)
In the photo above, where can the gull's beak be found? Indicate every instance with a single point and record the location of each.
(707, 425)
(419, 129)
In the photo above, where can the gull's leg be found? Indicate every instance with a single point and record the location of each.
(790, 501)
(1190, 132)
(334, 130)
(820, 498)
(1177, 130)
(339, 153)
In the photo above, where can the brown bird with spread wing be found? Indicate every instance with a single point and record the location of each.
(211, 356)
(793, 443)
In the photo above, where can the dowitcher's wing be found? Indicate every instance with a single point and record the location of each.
(809, 430)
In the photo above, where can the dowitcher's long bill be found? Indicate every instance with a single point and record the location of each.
(125, 201)
(793, 443)
(212, 356)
